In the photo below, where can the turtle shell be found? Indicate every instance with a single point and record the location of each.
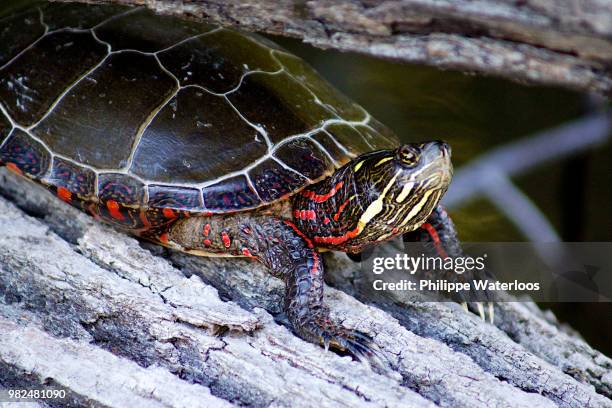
(108, 103)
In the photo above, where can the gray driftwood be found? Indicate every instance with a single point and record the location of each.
(113, 320)
(566, 43)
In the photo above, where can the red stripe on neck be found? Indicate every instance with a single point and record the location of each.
(320, 198)
(340, 239)
(436, 239)
(340, 209)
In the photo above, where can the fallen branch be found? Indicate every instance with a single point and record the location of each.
(547, 42)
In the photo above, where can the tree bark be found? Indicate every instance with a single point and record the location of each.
(80, 301)
(547, 42)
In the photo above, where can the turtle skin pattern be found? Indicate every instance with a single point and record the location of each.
(189, 119)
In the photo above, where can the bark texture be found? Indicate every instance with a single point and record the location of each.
(565, 43)
(112, 320)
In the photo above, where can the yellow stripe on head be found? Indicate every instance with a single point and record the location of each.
(386, 159)
(418, 207)
(358, 166)
(405, 191)
(377, 205)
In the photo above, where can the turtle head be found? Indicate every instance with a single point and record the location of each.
(397, 190)
(375, 196)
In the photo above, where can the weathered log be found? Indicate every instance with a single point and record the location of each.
(563, 43)
(210, 322)
(26, 349)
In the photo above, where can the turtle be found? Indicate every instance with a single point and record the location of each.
(211, 141)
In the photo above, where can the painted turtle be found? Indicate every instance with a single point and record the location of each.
(209, 141)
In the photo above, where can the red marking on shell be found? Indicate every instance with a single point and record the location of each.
(340, 209)
(207, 242)
(339, 240)
(13, 167)
(246, 252)
(169, 213)
(436, 239)
(319, 198)
(300, 233)
(206, 230)
(114, 210)
(163, 238)
(326, 221)
(226, 239)
(64, 194)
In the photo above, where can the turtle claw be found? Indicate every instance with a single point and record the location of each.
(326, 344)
(481, 310)
(363, 348)
(353, 342)
(359, 345)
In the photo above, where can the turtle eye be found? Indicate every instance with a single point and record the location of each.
(407, 155)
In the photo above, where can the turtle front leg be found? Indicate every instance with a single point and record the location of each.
(439, 235)
(289, 255)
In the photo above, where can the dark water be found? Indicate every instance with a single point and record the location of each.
(475, 114)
